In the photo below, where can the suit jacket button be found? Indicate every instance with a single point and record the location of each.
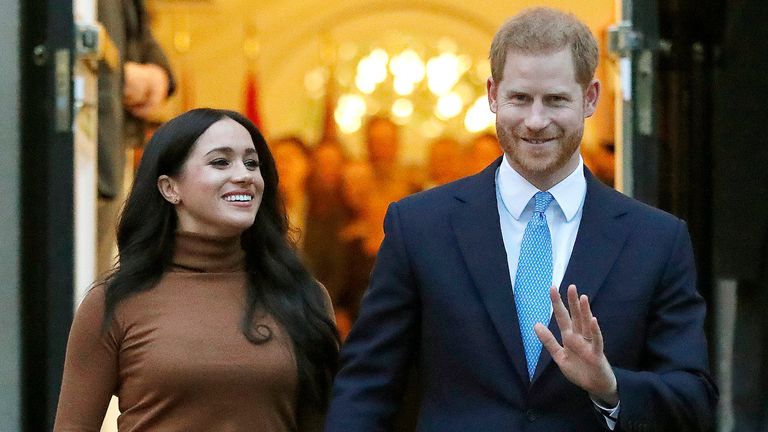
(532, 415)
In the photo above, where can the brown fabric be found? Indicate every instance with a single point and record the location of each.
(176, 357)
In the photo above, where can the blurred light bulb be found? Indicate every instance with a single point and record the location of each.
(349, 113)
(403, 87)
(402, 108)
(448, 106)
(443, 72)
(407, 66)
(479, 116)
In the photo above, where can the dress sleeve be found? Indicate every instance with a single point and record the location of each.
(90, 368)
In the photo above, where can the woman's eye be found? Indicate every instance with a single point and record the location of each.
(251, 164)
(220, 162)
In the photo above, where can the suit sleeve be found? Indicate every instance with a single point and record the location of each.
(151, 52)
(90, 369)
(673, 391)
(375, 359)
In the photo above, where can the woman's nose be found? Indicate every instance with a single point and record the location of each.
(242, 174)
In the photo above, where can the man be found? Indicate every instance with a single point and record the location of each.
(460, 285)
(382, 142)
(127, 97)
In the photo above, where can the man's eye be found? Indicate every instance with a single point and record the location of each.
(558, 100)
(252, 164)
(518, 98)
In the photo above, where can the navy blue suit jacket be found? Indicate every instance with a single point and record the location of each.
(441, 297)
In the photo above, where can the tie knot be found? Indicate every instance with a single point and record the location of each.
(543, 199)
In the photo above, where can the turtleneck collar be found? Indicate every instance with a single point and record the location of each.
(204, 254)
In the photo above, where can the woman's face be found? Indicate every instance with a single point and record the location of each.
(219, 188)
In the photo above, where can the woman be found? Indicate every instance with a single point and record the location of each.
(209, 322)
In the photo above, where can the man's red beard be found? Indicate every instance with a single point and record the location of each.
(553, 160)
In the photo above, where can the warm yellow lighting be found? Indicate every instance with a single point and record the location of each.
(373, 106)
(182, 40)
(449, 106)
(314, 82)
(350, 125)
(251, 48)
(466, 91)
(347, 51)
(371, 70)
(364, 84)
(407, 66)
(482, 70)
(403, 87)
(378, 60)
(402, 108)
(479, 117)
(443, 72)
(465, 63)
(432, 128)
(349, 113)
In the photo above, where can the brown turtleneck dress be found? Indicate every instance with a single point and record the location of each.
(176, 357)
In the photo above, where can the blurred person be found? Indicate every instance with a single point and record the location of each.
(292, 160)
(471, 280)
(127, 97)
(444, 162)
(361, 238)
(209, 321)
(598, 145)
(326, 216)
(383, 144)
(382, 140)
(481, 151)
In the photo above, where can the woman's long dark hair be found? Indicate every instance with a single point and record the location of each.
(279, 284)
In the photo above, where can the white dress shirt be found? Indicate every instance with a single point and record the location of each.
(563, 215)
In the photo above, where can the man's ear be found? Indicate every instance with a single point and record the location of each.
(168, 189)
(491, 89)
(591, 95)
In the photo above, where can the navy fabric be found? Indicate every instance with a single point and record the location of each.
(441, 297)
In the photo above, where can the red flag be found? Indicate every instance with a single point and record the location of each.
(252, 99)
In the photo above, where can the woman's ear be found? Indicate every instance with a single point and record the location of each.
(167, 187)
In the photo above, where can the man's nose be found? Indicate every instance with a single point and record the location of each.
(537, 117)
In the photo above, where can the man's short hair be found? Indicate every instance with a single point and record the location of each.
(544, 31)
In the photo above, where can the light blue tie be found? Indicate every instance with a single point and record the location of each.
(533, 279)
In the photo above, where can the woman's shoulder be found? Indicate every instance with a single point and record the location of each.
(326, 298)
(93, 303)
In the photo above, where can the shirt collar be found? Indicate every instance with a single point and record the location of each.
(516, 191)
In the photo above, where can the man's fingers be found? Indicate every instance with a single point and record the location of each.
(597, 335)
(559, 311)
(586, 317)
(547, 339)
(575, 309)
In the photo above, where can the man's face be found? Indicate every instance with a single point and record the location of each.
(292, 164)
(540, 111)
(382, 142)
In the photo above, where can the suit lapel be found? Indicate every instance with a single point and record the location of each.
(599, 240)
(478, 232)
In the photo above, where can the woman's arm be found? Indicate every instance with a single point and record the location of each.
(90, 368)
